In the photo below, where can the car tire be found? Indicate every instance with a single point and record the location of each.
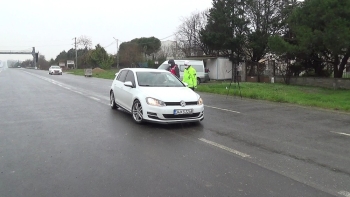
(137, 112)
(198, 80)
(112, 101)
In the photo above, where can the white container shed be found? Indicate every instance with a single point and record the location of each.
(220, 68)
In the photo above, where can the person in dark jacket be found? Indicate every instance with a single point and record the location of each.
(174, 68)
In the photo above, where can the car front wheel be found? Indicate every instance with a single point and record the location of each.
(112, 101)
(137, 112)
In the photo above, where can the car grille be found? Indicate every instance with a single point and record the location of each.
(178, 103)
(194, 115)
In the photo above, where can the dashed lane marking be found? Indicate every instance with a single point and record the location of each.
(94, 98)
(344, 193)
(225, 148)
(340, 134)
(222, 109)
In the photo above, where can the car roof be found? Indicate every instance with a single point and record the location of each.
(190, 61)
(144, 70)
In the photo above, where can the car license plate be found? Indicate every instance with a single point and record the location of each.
(182, 111)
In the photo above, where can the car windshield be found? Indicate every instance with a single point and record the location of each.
(54, 67)
(158, 79)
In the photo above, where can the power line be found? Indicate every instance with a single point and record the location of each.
(109, 45)
(167, 37)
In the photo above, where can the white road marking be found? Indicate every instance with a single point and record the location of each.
(222, 109)
(225, 148)
(94, 98)
(67, 88)
(78, 92)
(344, 193)
(340, 133)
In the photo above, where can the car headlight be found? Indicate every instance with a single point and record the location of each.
(200, 101)
(154, 102)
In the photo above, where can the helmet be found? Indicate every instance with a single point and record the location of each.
(171, 61)
(187, 62)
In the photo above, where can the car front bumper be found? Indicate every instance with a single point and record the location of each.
(165, 115)
(56, 72)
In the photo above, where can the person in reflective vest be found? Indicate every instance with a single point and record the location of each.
(190, 76)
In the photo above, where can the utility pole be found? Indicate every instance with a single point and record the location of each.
(76, 54)
(175, 49)
(34, 57)
(117, 55)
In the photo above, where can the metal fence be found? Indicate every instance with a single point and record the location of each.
(346, 75)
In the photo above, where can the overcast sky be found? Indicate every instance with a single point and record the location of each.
(50, 26)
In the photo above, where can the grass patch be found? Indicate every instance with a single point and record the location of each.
(98, 73)
(301, 95)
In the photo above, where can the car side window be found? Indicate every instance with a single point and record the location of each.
(122, 75)
(130, 77)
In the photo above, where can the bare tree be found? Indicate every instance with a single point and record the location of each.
(169, 49)
(84, 41)
(166, 50)
(188, 34)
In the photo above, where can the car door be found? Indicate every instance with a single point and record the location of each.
(128, 92)
(117, 87)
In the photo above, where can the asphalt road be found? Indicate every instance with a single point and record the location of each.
(59, 137)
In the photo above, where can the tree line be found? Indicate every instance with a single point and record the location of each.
(310, 37)
(130, 53)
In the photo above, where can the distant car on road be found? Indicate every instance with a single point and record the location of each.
(55, 70)
(155, 95)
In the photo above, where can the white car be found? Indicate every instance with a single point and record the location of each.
(155, 95)
(55, 70)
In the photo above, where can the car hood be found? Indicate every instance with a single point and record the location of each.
(170, 94)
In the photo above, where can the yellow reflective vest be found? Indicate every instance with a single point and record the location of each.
(190, 77)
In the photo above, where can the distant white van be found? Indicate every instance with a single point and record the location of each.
(197, 64)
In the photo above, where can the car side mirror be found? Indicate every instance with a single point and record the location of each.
(128, 84)
(116, 73)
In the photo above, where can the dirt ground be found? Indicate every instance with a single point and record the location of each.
(97, 70)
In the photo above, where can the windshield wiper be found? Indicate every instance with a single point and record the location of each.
(144, 85)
